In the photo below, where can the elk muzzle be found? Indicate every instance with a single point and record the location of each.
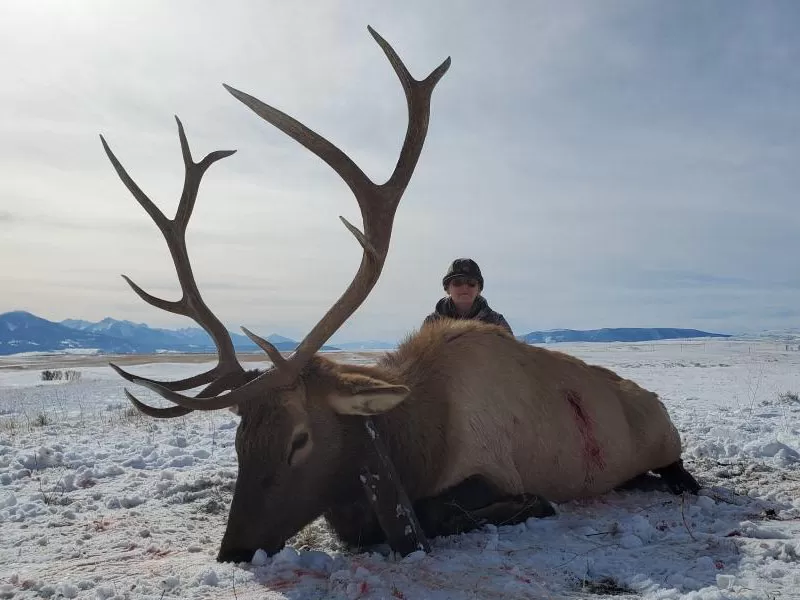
(239, 545)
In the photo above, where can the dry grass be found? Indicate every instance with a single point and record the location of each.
(27, 420)
(316, 536)
(65, 361)
(606, 586)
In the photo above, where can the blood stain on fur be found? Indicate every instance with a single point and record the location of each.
(591, 449)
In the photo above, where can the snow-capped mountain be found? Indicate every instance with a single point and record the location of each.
(187, 339)
(22, 331)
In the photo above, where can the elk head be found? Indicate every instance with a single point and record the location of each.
(297, 444)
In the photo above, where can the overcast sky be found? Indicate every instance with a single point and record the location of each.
(608, 164)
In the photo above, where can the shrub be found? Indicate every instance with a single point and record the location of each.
(48, 375)
(72, 375)
(58, 375)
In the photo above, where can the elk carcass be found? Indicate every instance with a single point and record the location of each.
(481, 427)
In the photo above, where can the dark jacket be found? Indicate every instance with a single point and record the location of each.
(445, 308)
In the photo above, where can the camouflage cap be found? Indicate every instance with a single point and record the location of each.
(463, 267)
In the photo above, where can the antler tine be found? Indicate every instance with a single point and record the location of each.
(159, 413)
(274, 354)
(209, 401)
(194, 174)
(191, 303)
(217, 386)
(378, 203)
(418, 98)
(181, 384)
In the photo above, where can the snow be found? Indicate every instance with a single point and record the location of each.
(97, 501)
(54, 353)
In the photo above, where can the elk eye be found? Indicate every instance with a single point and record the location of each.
(298, 443)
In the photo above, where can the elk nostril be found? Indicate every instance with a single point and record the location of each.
(235, 555)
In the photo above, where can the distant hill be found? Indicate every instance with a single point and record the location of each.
(367, 345)
(616, 334)
(22, 331)
(790, 334)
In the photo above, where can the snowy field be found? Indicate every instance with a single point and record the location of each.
(97, 501)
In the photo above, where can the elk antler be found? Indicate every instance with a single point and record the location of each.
(228, 372)
(378, 204)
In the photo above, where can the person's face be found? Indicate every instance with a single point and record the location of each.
(463, 290)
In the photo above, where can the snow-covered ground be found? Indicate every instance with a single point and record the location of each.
(99, 502)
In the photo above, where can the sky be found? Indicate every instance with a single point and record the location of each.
(607, 164)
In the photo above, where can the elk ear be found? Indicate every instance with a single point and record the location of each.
(357, 394)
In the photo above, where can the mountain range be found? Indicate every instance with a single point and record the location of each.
(22, 331)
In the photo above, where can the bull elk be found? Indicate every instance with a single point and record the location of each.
(481, 428)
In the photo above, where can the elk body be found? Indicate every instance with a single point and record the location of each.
(480, 427)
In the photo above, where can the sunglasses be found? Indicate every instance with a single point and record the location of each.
(459, 281)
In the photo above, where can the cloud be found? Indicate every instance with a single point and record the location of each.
(689, 279)
(609, 166)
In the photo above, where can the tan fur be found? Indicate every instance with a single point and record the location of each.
(457, 399)
(509, 416)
